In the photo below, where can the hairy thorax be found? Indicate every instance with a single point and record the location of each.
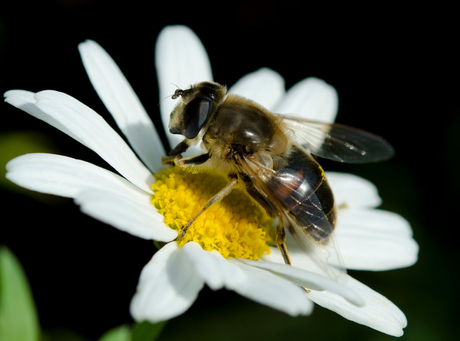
(242, 128)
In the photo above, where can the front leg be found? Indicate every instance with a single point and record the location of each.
(192, 161)
(175, 157)
(175, 153)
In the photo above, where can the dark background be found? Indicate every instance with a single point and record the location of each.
(396, 71)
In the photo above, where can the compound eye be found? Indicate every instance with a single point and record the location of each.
(196, 114)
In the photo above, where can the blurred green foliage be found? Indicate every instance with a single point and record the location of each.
(16, 143)
(18, 315)
(121, 333)
(146, 331)
(19, 318)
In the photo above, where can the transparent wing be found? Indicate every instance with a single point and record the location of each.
(324, 253)
(337, 142)
(304, 219)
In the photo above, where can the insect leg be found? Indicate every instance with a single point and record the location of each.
(175, 157)
(193, 161)
(175, 152)
(281, 242)
(216, 198)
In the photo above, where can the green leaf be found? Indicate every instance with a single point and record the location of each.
(13, 144)
(18, 315)
(146, 331)
(120, 333)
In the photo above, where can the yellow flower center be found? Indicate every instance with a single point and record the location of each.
(235, 226)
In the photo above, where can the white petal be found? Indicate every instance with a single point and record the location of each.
(371, 239)
(122, 102)
(67, 177)
(121, 204)
(362, 220)
(273, 291)
(181, 60)
(86, 126)
(310, 98)
(264, 86)
(309, 280)
(214, 269)
(125, 214)
(378, 312)
(26, 101)
(353, 191)
(167, 287)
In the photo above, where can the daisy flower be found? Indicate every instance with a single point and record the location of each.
(230, 247)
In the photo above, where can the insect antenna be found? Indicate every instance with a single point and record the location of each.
(168, 95)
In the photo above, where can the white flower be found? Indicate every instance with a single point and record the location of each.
(368, 238)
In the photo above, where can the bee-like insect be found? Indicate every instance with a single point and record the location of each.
(271, 155)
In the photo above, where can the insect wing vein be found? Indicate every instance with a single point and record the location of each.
(337, 142)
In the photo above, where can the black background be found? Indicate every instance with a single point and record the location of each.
(396, 71)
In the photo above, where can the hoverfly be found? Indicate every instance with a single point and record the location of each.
(271, 155)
